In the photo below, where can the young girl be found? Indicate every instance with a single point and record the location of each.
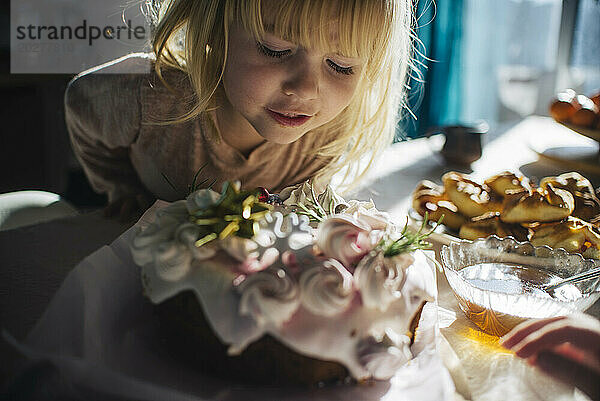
(269, 92)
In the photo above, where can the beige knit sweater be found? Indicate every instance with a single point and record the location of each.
(109, 112)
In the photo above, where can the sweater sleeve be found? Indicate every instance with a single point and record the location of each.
(102, 114)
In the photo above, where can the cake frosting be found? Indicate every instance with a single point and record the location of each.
(330, 291)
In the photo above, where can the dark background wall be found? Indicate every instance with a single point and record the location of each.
(35, 151)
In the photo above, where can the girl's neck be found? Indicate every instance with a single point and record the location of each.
(234, 129)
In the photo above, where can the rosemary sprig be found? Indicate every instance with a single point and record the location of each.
(194, 186)
(313, 214)
(408, 241)
(169, 182)
(313, 208)
(316, 203)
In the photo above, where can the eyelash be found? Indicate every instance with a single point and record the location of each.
(282, 53)
(339, 69)
(272, 53)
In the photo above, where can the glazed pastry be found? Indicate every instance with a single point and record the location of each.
(587, 205)
(572, 234)
(426, 191)
(507, 181)
(427, 185)
(542, 205)
(446, 212)
(588, 113)
(471, 198)
(564, 106)
(430, 198)
(596, 99)
(490, 224)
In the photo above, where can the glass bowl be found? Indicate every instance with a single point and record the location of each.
(498, 281)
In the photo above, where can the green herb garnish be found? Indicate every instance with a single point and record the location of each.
(313, 208)
(408, 241)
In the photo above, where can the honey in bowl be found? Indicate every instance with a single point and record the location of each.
(506, 294)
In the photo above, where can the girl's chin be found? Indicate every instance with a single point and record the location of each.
(281, 137)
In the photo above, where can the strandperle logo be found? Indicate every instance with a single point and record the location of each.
(82, 32)
(70, 36)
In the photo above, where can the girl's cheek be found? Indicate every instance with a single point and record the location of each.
(339, 94)
(261, 80)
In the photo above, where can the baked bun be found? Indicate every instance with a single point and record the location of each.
(426, 191)
(427, 185)
(586, 115)
(587, 205)
(430, 198)
(490, 224)
(564, 106)
(447, 211)
(596, 99)
(572, 234)
(542, 205)
(507, 181)
(471, 198)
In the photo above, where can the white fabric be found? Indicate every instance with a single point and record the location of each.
(22, 208)
(98, 331)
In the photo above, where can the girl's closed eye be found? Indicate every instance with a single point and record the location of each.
(339, 69)
(267, 51)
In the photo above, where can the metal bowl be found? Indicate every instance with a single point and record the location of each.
(498, 281)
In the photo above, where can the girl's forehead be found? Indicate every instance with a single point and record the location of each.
(330, 30)
(326, 25)
(313, 19)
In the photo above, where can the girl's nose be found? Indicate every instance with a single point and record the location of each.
(303, 81)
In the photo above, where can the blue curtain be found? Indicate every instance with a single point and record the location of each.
(435, 94)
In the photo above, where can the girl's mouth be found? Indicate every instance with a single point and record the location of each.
(289, 119)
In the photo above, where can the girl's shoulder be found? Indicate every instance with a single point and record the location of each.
(131, 67)
(114, 79)
(133, 63)
(124, 82)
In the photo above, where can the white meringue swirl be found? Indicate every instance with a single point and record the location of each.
(237, 247)
(343, 238)
(169, 243)
(270, 297)
(326, 289)
(160, 231)
(367, 213)
(201, 199)
(380, 279)
(172, 260)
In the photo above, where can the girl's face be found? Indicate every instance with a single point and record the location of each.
(278, 91)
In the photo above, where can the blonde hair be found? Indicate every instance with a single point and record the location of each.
(192, 36)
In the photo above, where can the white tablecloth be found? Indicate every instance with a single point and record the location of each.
(99, 332)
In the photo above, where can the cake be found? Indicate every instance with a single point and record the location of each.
(302, 288)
